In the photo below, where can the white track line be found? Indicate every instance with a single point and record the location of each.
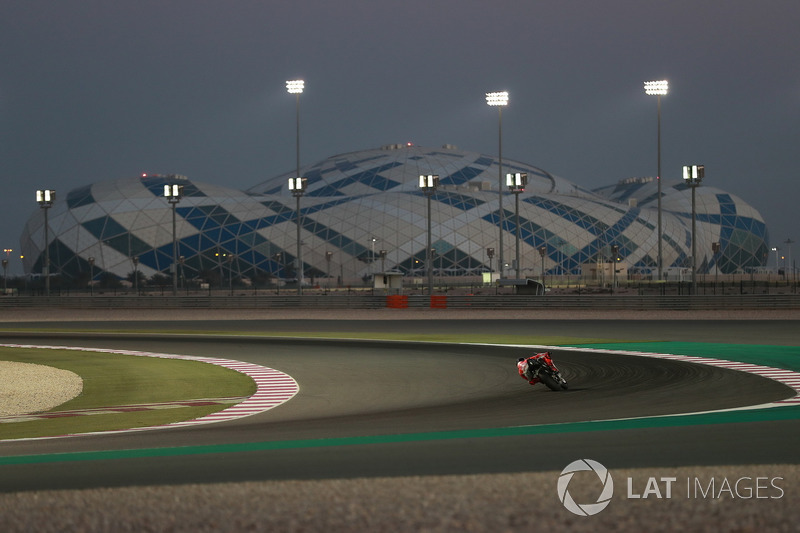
(273, 388)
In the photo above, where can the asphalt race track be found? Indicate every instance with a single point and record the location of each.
(375, 409)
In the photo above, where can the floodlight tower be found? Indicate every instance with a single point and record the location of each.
(516, 184)
(428, 184)
(658, 89)
(297, 186)
(296, 87)
(173, 193)
(500, 100)
(45, 199)
(693, 175)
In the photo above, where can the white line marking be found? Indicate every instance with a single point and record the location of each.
(273, 388)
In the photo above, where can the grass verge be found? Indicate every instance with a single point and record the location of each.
(111, 380)
(549, 340)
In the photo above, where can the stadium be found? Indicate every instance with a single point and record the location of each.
(364, 212)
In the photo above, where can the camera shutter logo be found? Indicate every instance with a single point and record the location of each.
(587, 509)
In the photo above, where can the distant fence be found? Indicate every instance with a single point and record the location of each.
(437, 301)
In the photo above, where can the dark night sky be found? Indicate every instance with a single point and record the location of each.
(93, 90)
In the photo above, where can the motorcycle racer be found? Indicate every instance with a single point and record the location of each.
(525, 370)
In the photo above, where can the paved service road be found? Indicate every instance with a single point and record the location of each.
(384, 409)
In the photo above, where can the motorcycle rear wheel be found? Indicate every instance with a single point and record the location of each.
(550, 381)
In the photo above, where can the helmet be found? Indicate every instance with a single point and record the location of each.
(520, 359)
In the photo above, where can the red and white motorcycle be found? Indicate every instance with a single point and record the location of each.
(540, 367)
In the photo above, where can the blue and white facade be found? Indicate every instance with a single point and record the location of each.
(360, 203)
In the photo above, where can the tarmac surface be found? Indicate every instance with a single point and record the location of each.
(465, 484)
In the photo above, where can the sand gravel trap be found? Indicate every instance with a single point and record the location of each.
(521, 502)
(28, 388)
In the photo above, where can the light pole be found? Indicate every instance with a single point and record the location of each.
(221, 257)
(91, 276)
(181, 261)
(45, 198)
(658, 89)
(372, 255)
(428, 184)
(693, 175)
(279, 259)
(715, 248)
(614, 259)
(173, 193)
(135, 260)
(25, 283)
(490, 255)
(230, 273)
(516, 183)
(5, 268)
(500, 100)
(328, 257)
(775, 249)
(542, 254)
(298, 187)
(383, 253)
(788, 243)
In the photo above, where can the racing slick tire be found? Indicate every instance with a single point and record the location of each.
(550, 381)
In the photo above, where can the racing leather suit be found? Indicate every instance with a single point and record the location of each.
(525, 371)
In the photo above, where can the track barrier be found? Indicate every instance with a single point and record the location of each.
(438, 301)
(402, 301)
(397, 301)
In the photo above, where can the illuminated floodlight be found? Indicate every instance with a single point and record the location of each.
(298, 186)
(173, 192)
(428, 183)
(657, 88)
(693, 174)
(295, 86)
(517, 182)
(497, 98)
(45, 197)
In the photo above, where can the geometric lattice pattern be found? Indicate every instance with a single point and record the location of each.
(360, 203)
